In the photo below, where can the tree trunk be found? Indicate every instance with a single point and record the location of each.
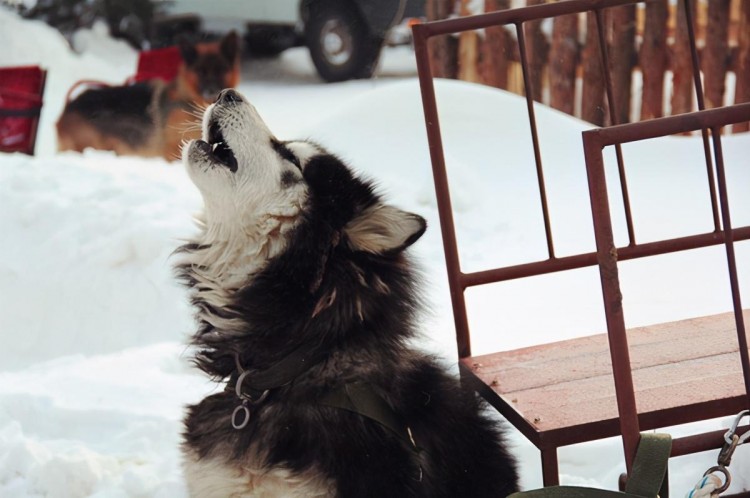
(563, 61)
(493, 51)
(716, 55)
(537, 48)
(622, 59)
(682, 69)
(443, 49)
(742, 71)
(592, 101)
(653, 59)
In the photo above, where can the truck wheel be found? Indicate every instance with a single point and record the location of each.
(340, 42)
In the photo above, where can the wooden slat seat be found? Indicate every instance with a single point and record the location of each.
(563, 393)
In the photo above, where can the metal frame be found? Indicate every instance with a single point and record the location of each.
(608, 254)
(605, 256)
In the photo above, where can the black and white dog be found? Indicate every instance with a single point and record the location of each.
(305, 302)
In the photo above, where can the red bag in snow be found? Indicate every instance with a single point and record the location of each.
(21, 90)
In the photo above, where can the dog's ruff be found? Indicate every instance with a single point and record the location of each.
(296, 253)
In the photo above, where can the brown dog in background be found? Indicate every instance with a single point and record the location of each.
(152, 118)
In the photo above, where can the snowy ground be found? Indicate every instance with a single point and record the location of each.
(93, 375)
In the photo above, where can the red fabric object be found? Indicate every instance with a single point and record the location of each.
(21, 91)
(161, 63)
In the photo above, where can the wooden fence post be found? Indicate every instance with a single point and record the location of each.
(653, 59)
(592, 100)
(563, 61)
(622, 58)
(742, 68)
(493, 51)
(715, 58)
(468, 50)
(443, 49)
(537, 48)
(682, 72)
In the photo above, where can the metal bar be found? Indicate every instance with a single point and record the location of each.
(731, 260)
(589, 259)
(550, 470)
(518, 16)
(613, 118)
(607, 258)
(698, 84)
(697, 443)
(529, 269)
(671, 125)
(442, 191)
(535, 138)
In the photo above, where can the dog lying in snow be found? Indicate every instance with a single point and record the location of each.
(306, 300)
(152, 118)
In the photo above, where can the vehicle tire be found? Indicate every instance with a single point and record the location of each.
(340, 42)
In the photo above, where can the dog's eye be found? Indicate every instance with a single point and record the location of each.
(285, 153)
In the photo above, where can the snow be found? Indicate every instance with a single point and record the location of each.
(93, 367)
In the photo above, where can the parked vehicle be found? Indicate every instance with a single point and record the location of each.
(345, 37)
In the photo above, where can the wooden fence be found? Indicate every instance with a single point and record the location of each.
(651, 59)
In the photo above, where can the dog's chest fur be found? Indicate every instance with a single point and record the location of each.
(216, 478)
(216, 268)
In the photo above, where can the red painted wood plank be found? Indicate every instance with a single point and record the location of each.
(567, 384)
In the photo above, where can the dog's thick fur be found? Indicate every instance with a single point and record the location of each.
(295, 253)
(153, 118)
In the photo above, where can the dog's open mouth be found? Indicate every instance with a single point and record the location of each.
(217, 148)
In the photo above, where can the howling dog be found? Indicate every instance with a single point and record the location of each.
(306, 303)
(152, 118)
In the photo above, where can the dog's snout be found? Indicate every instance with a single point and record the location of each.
(229, 96)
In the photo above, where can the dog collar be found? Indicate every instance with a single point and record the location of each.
(252, 388)
(358, 397)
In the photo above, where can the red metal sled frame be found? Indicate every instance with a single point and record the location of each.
(629, 422)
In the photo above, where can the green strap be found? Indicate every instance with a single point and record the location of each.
(648, 478)
(361, 398)
(650, 466)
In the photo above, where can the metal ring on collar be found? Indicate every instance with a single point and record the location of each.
(245, 419)
(247, 397)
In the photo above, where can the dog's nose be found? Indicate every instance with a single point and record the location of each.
(229, 96)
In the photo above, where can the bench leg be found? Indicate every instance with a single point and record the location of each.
(550, 472)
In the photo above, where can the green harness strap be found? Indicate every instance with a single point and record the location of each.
(648, 478)
(361, 398)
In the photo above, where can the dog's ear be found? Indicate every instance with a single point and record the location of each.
(188, 51)
(382, 229)
(230, 46)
